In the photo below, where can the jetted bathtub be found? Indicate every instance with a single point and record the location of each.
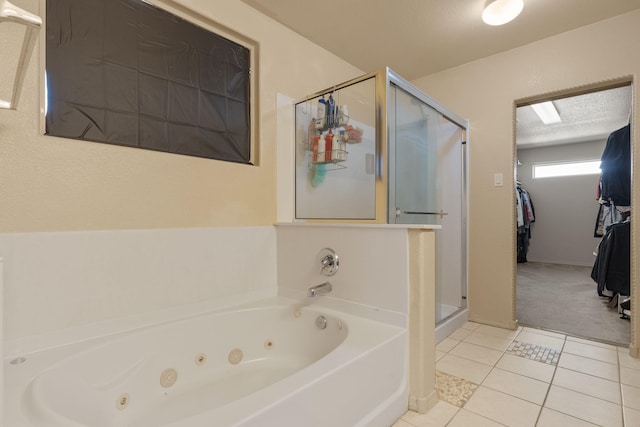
(274, 363)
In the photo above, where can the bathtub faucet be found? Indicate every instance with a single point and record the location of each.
(322, 288)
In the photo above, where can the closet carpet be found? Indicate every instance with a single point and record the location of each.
(564, 298)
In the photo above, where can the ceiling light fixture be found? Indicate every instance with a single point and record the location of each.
(499, 12)
(547, 112)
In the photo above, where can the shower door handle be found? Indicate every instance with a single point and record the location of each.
(401, 212)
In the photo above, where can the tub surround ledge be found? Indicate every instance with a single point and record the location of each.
(370, 312)
(94, 331)
(360, 225)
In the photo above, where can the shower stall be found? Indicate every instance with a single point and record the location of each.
(378, 150)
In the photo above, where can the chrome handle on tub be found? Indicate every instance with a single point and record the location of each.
(329, 262)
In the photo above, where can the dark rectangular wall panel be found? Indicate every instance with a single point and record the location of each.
(127, 73)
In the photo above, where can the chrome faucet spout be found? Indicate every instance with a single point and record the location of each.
(322, 288)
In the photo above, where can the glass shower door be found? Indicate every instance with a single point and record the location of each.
(427, 186)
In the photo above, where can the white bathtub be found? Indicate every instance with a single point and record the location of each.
(264, 364)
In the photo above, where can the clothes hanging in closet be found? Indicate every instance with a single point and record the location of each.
(611, 270)
(525, 216)
(607, 215)
(615, 163)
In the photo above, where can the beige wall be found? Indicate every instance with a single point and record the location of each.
(484, 91)
(55, 184)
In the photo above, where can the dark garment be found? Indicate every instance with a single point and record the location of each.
(611, 269)
(616, 168)
(524, 230)
(523, 243)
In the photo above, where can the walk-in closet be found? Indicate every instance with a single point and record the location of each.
(573, 214)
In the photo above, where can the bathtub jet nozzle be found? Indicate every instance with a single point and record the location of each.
(322, 288)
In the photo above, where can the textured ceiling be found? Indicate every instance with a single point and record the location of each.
(418, 37)
(588, 117)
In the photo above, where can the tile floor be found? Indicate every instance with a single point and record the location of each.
(488, 376)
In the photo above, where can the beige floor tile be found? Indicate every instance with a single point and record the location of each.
(469, 419)
(529, 368)
(472, 326)
(627, 361)
(591, 351)
(447, 344)
(550, 418)
(463, 368)
(591, 342)
(438, 416)
(477, 353)
(543, 332)
(460, 334)
(502, 408)
(540, 339)
(585, 365)
(401, 423)
(413, 417)
(631, 417)
(516, 385)
(631, 397)
(584, 407)
(585, 389)
(497, 332)
(489, 341)
(630, 376)
(588, 384)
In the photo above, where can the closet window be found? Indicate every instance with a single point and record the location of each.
(127, 73)
(589, 167)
